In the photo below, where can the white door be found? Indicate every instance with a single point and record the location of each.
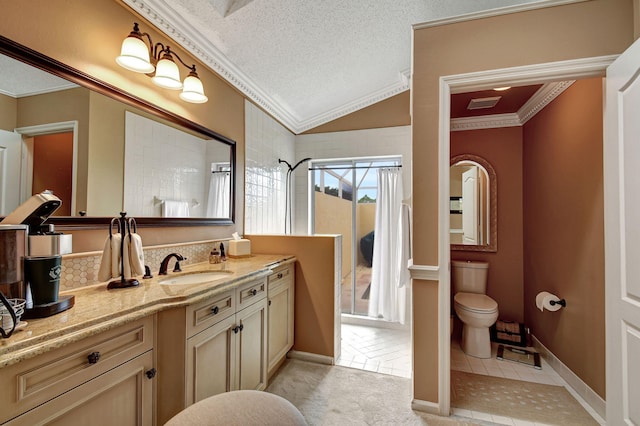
(10, 145)
(622, 234)
(470, 206)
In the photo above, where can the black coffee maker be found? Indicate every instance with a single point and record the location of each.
(41, 264)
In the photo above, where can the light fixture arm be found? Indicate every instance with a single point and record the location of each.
(168, 50)
(140, 54)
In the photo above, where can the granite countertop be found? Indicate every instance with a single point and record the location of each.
(98, 309)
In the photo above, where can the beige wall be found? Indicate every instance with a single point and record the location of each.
(8, 113)
(66, 105)
(388, 113)
(564, 228)
(333, 216)
(90, 45)
(502, 148)
(315, 297)
(586, 29)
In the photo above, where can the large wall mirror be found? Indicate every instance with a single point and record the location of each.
(104, 151)
(473, 204)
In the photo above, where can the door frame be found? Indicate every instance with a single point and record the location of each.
(460, 83)
(356, 318)
(27, 134)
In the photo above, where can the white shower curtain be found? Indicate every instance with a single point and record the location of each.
(387, 298)
(218, 200)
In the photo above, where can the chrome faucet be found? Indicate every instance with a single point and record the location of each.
(165, 262)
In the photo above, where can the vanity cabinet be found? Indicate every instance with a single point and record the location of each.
(280, 292)
(105, 379)
(225, 347)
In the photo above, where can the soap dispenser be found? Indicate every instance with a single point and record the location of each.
(223, 256)
(214, 257)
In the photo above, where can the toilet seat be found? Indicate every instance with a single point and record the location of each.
(476, 303)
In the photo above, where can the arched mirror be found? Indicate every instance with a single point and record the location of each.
(473, 204)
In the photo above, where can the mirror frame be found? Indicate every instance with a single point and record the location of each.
(45, 63)
(493, 205)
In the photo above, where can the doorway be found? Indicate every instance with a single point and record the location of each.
(470, 82)
(48, 161)
(343, 194)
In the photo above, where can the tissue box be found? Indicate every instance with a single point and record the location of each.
(239, 248)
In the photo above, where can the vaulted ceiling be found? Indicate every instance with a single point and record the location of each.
(306, 62)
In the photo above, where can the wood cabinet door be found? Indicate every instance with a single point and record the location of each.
(280, 336)
(211, 361)
(252, 346)
(121, 396)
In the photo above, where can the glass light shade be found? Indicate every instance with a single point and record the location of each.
(193, 91)
(134, 55)
(167, 74)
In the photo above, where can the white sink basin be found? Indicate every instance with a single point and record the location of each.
(195, 278)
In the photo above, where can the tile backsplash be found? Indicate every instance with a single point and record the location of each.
(81, 269)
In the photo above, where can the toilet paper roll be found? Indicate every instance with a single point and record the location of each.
(543, 301)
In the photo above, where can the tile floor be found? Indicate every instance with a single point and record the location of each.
(381, 350)
(388, 351)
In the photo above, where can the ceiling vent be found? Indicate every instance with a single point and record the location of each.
(483, 103)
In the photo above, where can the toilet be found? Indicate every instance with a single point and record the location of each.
(476, 310)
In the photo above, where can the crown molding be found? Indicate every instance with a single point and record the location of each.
(158, 13)
(495, 12)
(547, 93)
(541, 99)
(365, 101)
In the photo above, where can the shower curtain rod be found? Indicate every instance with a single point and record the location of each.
(354, 167)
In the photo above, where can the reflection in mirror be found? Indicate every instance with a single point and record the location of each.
(172, 173)
(94, 118)
(473, 210)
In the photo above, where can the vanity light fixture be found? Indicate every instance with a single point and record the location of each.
(157, 62)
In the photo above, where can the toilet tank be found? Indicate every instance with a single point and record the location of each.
(469, 276)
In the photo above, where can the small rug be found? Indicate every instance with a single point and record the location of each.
(528, 401)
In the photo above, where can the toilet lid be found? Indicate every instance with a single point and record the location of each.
(475, 302)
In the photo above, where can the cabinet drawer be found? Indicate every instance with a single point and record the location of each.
(279, 275)
(37, 380)
(210, 312)
(251, 292)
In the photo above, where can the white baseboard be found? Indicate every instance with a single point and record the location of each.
(310, 357)
(426, 407)
(587, 394)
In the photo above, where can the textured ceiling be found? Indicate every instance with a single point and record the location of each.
(306, 61)
(18, 80)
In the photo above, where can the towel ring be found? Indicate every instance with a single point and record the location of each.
(115, 219)
(133, 225)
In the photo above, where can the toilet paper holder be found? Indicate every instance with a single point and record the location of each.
(560, 302)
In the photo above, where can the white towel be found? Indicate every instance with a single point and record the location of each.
(405, 245)
(171, 208)
(104, 273)
(136, 255)
(126, 262)
(110, 262)
(115, 255)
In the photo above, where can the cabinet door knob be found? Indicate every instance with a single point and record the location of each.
(151, 373)
(215, 310)
(236, 329)
(280, 275)
(93, 357)
(253, 291)
(269, 302)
